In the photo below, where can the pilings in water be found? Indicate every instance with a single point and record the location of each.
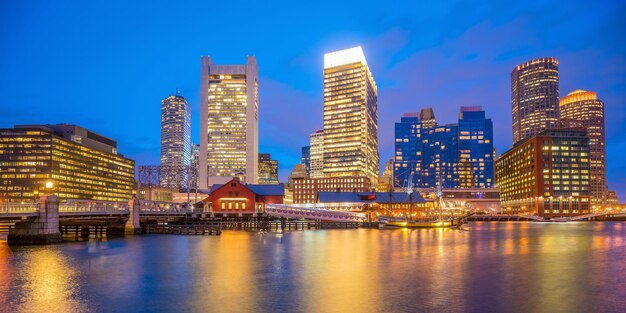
(43, 230)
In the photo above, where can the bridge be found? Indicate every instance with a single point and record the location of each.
(313, 212)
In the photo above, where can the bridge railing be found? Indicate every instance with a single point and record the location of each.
(313, 213)
(148, 206)
(79, 206)
(18, 208)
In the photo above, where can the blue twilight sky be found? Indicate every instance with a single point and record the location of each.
(106, 65)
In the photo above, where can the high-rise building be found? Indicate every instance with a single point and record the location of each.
(583, 109)
(72, 162)
(195, 164)
(476, 156)
(229, 122)
(268, 169)
(547, 174)
(535, 97)
(316, 167)
(453, 155)
(350, 116)
(175, 141)
(305, 158)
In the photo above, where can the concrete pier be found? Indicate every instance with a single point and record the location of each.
(132, 226)
(43, 230)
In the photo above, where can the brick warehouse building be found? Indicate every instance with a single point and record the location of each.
(237, 199)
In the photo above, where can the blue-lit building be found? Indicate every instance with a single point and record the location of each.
(476, 154)
(457, 155)
(306, 158)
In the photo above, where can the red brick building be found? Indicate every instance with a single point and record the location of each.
(305, 189)
(237, 199)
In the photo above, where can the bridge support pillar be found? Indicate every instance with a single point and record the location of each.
(43, 230)
(132, 226)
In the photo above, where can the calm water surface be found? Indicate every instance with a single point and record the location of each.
(494, 267)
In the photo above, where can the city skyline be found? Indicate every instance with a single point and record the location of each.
(393, 53)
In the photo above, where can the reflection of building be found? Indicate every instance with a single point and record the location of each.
(175, 139)
(306, 158)
(306, 190)
(535, 97)
(237, 199)
(547, 174)
(316, 167)
(268, 169)
(350, 116)
(229, 122)
(79, 163)
(583, 109)
(457, 155)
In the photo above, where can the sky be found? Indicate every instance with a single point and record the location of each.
(106, 65)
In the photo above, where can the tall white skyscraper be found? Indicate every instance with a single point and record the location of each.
(175, 141)
(316, 167)
(229, 122)
(350, 116)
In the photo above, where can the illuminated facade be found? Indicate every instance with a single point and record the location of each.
(195, 165)
(455, 155)
(175, 139)
(350, 116)
(268, 169)
(547, 174)
(305, 190)
(535, 97)
(78, 163)
(229, 122)
(583, 109)
(305, 158)
(316, 167)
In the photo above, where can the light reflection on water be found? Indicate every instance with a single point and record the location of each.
(494, 267)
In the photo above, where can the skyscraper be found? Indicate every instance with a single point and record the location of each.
(229, 122)
(350, 116)
(583, 109)
(175, 141)
(535, 97)
(305, 158)
(476, 157)
(195, 164)
(453, 155)
(268, 169)
(316, 167)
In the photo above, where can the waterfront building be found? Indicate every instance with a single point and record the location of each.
(305, 190)
(547, 174)
(70, 161)
(228, 122)
(156, 193)
(583, 109)
(385, 182)
(455, 155)
(316, 167)
(195, 165)
(535, 97)
(305, 158)
(175, 141)
(268, 169)
(473, 199)
(350, 116)
(237, 199)
(476, 154)
(298, 172)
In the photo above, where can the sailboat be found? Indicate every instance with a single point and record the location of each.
(408, 222)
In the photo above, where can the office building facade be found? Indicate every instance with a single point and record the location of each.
(316, 166)
(535, 97)
(229, 120)
(583, 109)
(305, 158)
(350, 116)
(75, 163)
(547, 174)
(306, 190)
(175, 142)
(268, 169)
